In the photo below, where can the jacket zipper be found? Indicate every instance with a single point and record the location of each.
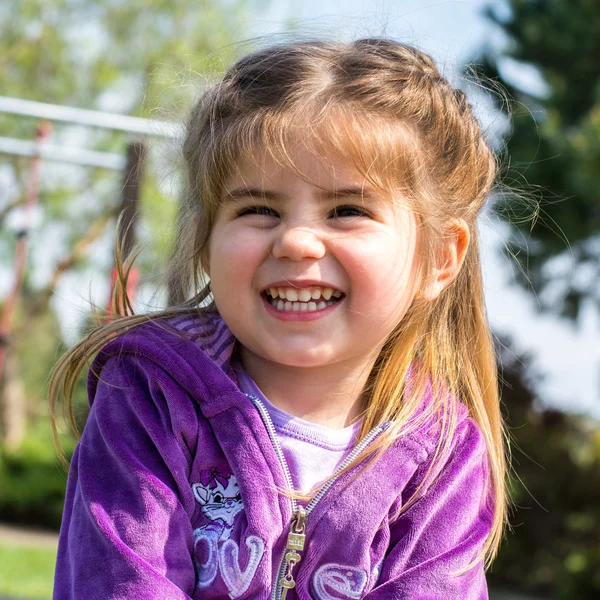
(296, 535)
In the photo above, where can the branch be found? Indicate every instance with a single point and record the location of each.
(10, 206)
(79, 251)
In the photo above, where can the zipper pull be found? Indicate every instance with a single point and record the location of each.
(295, 544)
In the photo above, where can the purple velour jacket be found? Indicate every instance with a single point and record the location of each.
(175, 491)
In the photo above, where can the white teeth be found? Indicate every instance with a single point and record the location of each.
(303, 299)
(311, 306)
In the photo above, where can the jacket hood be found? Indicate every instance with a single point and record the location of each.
(195, 342)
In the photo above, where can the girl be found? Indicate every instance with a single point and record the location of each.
(321, 419)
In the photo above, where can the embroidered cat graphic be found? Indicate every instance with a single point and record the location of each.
(219, 497)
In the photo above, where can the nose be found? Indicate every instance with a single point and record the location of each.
(298, 243)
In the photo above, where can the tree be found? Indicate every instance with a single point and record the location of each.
(145, 58)
(554, 547)
(553, 145)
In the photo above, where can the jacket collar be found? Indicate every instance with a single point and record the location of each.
(210, 332)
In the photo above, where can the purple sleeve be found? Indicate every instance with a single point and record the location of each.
(444, 530)
(126, 530)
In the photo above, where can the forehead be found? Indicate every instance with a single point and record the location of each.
(301, 162)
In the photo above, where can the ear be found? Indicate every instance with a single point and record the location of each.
(200, 493)
(450, 259)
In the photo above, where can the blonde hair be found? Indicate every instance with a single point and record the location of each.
(385, 107)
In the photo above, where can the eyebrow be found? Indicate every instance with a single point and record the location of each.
(249, 191)
(353, 192)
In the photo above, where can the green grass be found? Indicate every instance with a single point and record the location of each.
(26, 572)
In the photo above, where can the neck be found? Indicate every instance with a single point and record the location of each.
(330, 395)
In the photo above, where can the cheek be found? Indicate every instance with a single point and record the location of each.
(384, 263)
(384, 278)
(233, 258)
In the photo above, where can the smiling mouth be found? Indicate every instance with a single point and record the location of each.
(309, 299)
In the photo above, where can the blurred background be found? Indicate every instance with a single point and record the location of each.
(93, 95)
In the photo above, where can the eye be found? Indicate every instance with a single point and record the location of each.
(349, 211)
(264, 211)
(218, 498)
(238, 496)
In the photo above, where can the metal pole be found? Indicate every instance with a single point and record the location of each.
(92, 118)
(77, 156)
(22, 246)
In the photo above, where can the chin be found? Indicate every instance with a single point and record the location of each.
(300, 360)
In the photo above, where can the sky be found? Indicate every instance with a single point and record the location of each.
(447, 29)
(567, 356)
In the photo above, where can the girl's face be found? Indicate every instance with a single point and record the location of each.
(311, 272)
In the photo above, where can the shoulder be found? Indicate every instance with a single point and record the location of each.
(447, 424)
(152, 381)
(453, 452)
(467, 452)
(187, 351)
(206, 331)
(443, 519)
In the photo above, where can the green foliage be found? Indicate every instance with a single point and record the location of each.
(76, 51)
(144, 58)
(554, 548)
(554, 147)
(32, 482)
(38, 350)
(26, 572)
